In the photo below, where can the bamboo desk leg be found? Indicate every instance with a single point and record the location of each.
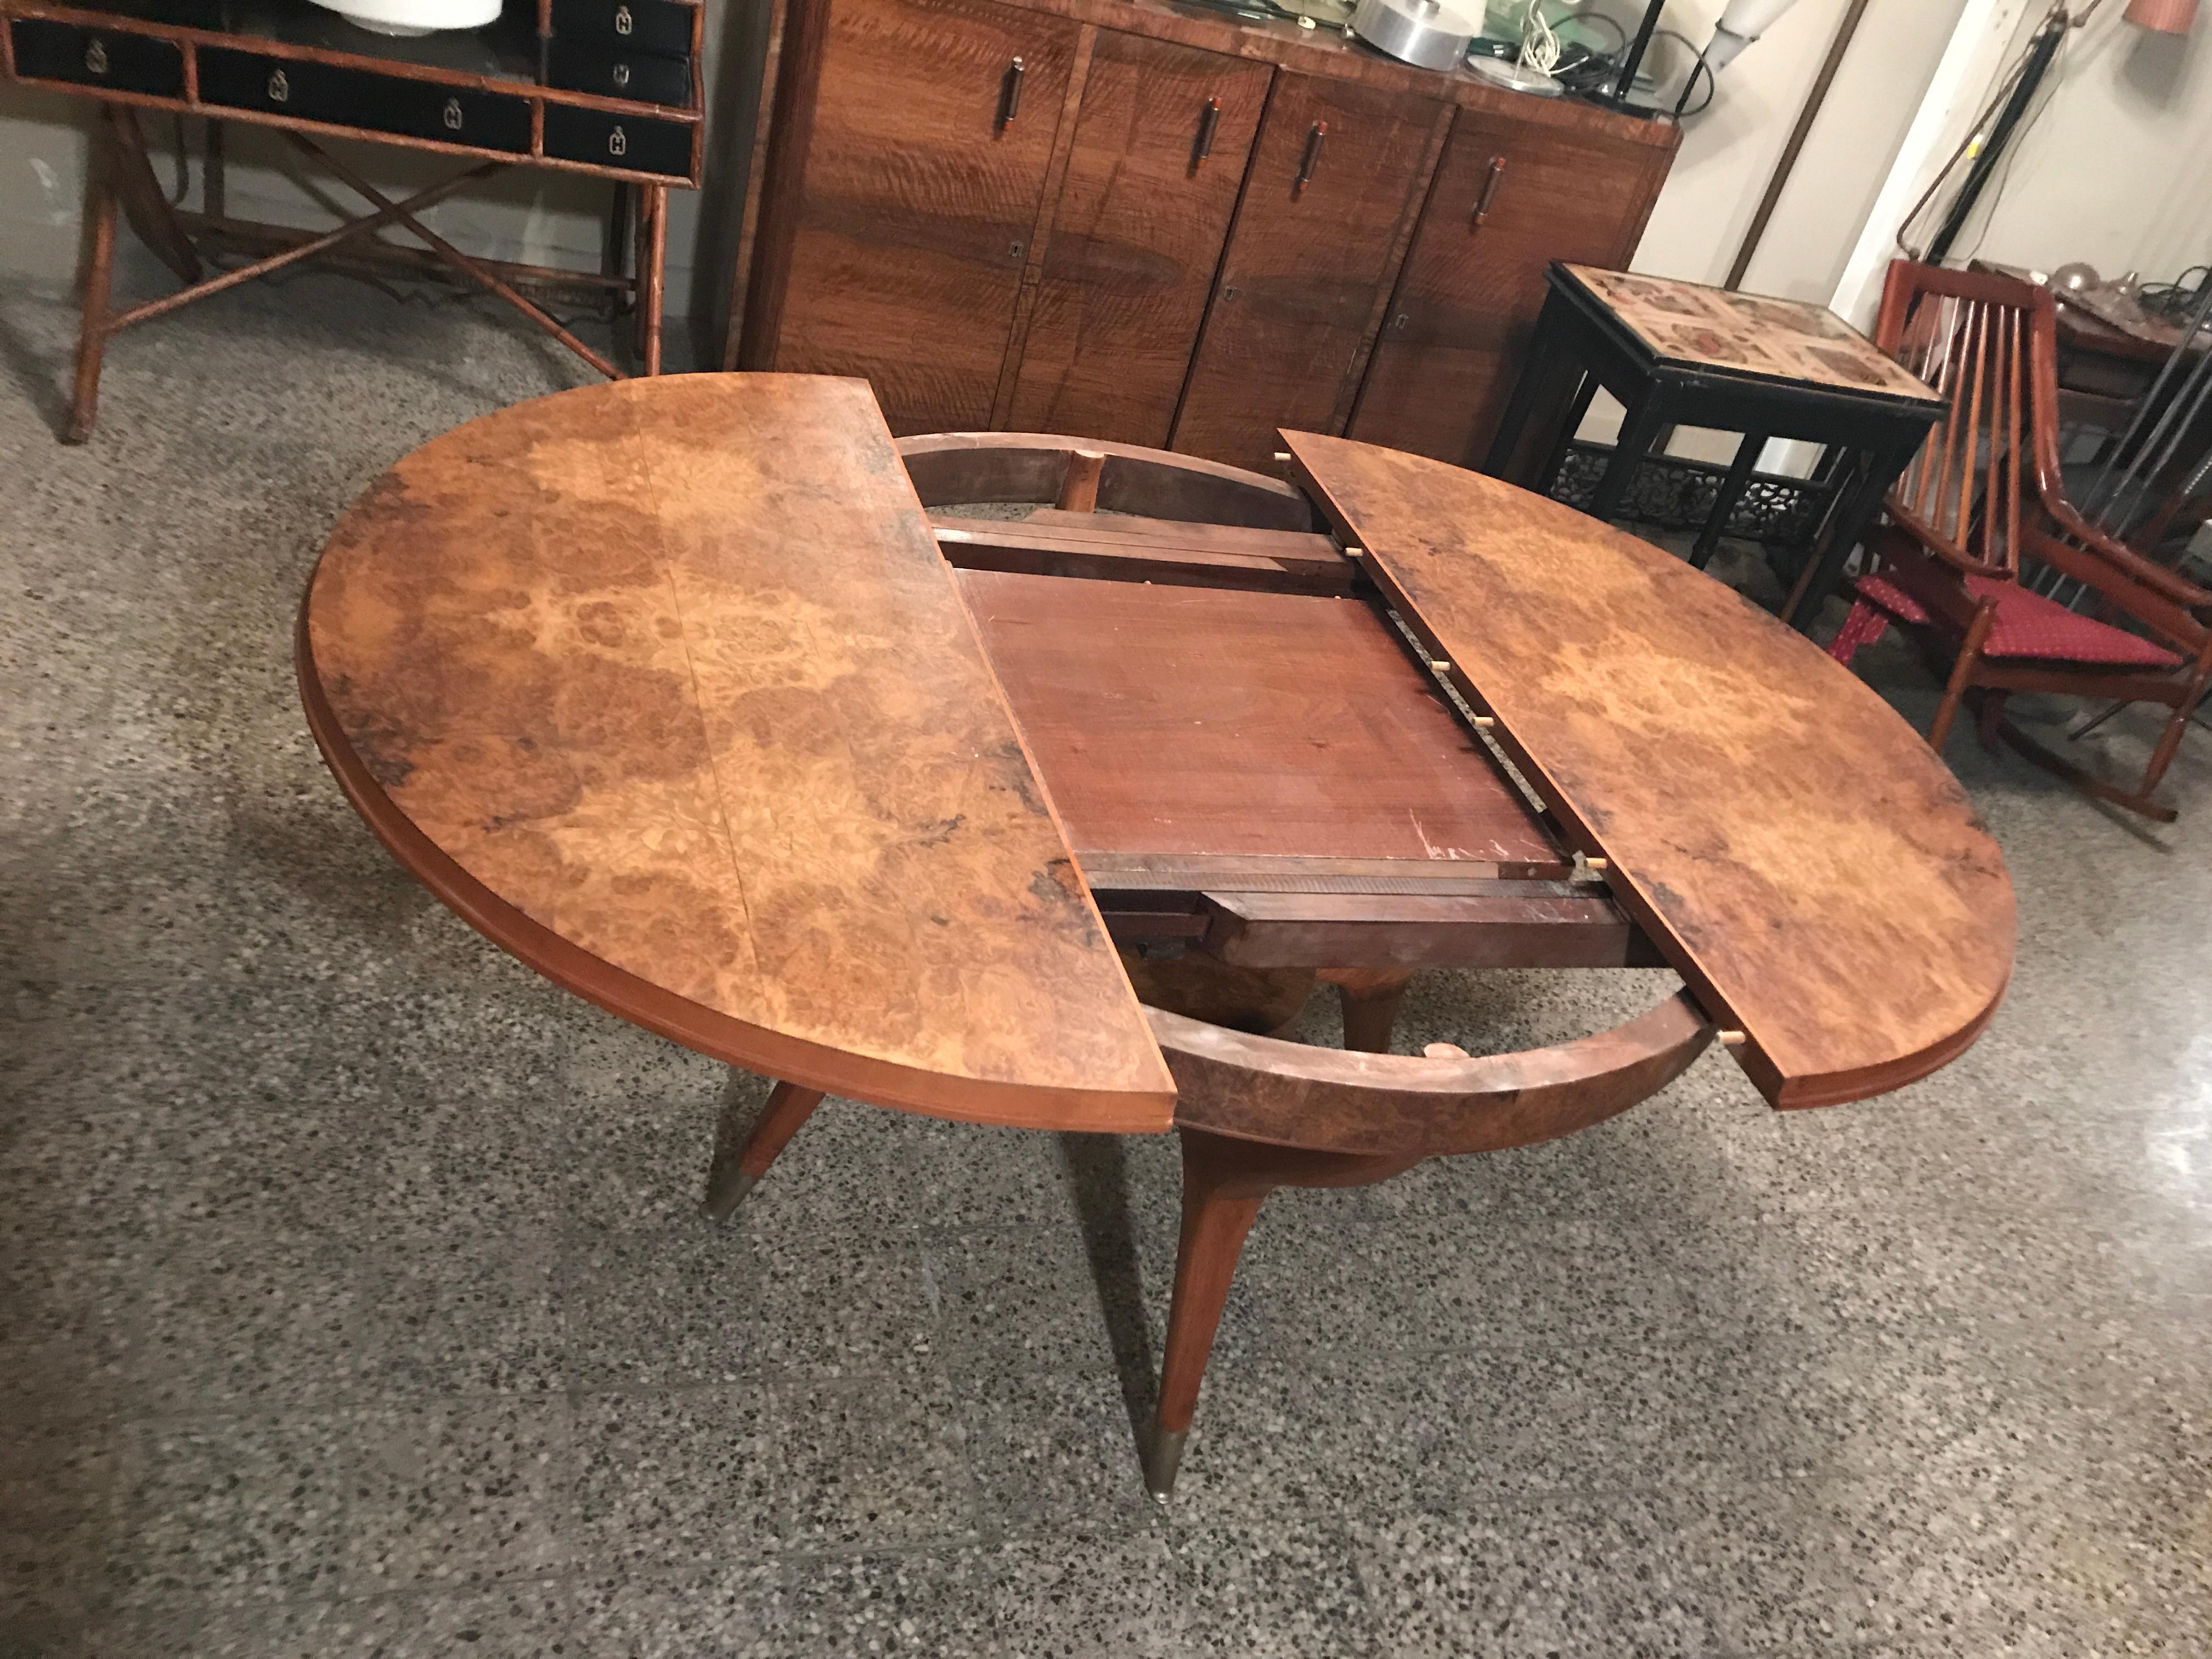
(652, 270)
(99, 282)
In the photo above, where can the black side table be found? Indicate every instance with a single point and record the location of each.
(1677, 354)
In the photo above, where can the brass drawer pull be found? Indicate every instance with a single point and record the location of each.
(1208, 119)
(1010, 95)
(95, 57)
(1490, 188)
(280, 90)
(624, 22)
(617, 143)
(1313, 155)
(452, 115)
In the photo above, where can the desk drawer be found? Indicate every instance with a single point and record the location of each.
(638, 143)
(354, 98)
(97, 58)
(650, 26)
(592, 67)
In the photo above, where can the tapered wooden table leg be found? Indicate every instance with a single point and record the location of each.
(741, 1159)
(1218, 1209)
(99, 282)
(1371, 997)
(1225, 1181)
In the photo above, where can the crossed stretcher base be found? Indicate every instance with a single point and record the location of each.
(122, 182)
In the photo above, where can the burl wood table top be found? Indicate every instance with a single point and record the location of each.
(664, 686)
(1748, 333)
(1795, 848)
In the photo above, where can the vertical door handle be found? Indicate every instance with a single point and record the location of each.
(1313, 155)
(1489, 189)
(1208, 119)
(1009, 97)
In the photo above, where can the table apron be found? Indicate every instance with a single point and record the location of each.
(1292, 930)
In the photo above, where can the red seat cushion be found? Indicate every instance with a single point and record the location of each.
(2029, 626)
(1880, 590)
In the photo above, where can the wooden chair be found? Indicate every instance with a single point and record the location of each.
(1255, 1113)
(1983, 494)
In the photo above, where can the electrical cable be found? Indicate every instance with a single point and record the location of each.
(1689, 84)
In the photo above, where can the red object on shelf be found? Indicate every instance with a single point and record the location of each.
(2167, 16)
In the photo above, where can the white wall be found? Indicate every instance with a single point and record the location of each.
(2113, 171)
(533, 215)
(1730, 152)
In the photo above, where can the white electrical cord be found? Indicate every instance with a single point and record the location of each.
(1540, 42)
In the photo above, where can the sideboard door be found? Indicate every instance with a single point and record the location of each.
(1337, 168)
(930, 138)
(1159, 152)
(1509, 199)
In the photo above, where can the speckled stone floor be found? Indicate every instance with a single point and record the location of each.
(355, 1303)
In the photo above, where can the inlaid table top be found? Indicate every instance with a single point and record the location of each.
(663, 685)
(1748, 333)
(1806, 861)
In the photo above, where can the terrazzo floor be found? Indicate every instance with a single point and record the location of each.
(354, 1302)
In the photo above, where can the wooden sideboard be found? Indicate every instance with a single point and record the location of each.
(1158, 224)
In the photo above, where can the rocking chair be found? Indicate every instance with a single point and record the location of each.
(1985, 491)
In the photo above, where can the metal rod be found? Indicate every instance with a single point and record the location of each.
(1634, 61)
(2157, 409)
(2039, 56)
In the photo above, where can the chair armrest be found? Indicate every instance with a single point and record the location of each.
(2167, 584)
(1927, 577)
(2174, 625)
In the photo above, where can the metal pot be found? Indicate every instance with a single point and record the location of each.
(1431, 34)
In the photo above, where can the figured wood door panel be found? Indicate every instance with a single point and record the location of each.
(918, 200)
(1507, 199)
(1136, 237)
(1334, 172)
